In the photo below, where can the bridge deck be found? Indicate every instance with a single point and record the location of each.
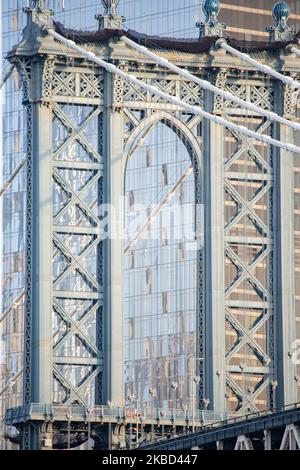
(106, 415)
(232, 428)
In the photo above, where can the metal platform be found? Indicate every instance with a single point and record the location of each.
(254, 427)
(106, 415)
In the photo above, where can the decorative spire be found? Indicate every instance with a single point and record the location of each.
(37, 5)
(40, 4)
(110, 19)
(111, 7)
(211, 25)
(280, 31)
(38, 12)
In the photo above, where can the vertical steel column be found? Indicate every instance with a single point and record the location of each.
(284, 275)
(41, 357)
(213, 159)
(113, 247)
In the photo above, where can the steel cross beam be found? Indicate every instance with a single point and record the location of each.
(6, 75)
(247, 145)
(240, 394)
(75, 327)
(75, 196)
(76, 133)
(247, 271)
(246, 207)
(75, 262)
(247, 336)
(76, 304)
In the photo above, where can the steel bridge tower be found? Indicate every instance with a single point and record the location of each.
(82, 124)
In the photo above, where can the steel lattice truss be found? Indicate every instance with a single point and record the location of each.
(248, 189)
(77, 242)
(94, 122)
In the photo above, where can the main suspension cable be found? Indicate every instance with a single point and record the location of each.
(8, 183)
(208, 86)
(295, 50)
(6, 75)
(172, 99)
(261, 67)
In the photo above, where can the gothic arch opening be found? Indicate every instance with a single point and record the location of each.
(160, 282)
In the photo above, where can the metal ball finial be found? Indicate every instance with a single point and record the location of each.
(281, 11)
(37, 4)
(280, 31)
(211, 25)
(211, 7)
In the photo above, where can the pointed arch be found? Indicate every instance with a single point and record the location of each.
(181, 130)
(194, 150)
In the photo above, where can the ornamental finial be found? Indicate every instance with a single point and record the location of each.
(38, 5)
(110, 19)
(280, 31)
(38, 13)
(110, 7)
(211, 25)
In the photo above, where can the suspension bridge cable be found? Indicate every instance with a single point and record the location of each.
(208, 86)
(151, 218)
(209, 76)
(172, 99)
(295, 50)
(13, 379)
(6, 76)
(8, 183)
(12, 307)
(261, 67)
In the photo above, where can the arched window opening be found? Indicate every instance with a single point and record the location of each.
(160, 274)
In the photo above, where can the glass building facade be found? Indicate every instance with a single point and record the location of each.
(160, 271)
(248, 19)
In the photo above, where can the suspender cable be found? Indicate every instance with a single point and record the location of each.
(293, 49)
(208, 86)
(13, 379)
(172, 99)
(12, 307)
(263, 68)
(151, 218)
(6, 76)
(8, 183)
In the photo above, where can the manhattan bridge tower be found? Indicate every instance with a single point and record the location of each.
(128, 339)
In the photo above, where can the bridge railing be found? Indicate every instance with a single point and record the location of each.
(239, 417)
(113, 413)
(203, 419)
